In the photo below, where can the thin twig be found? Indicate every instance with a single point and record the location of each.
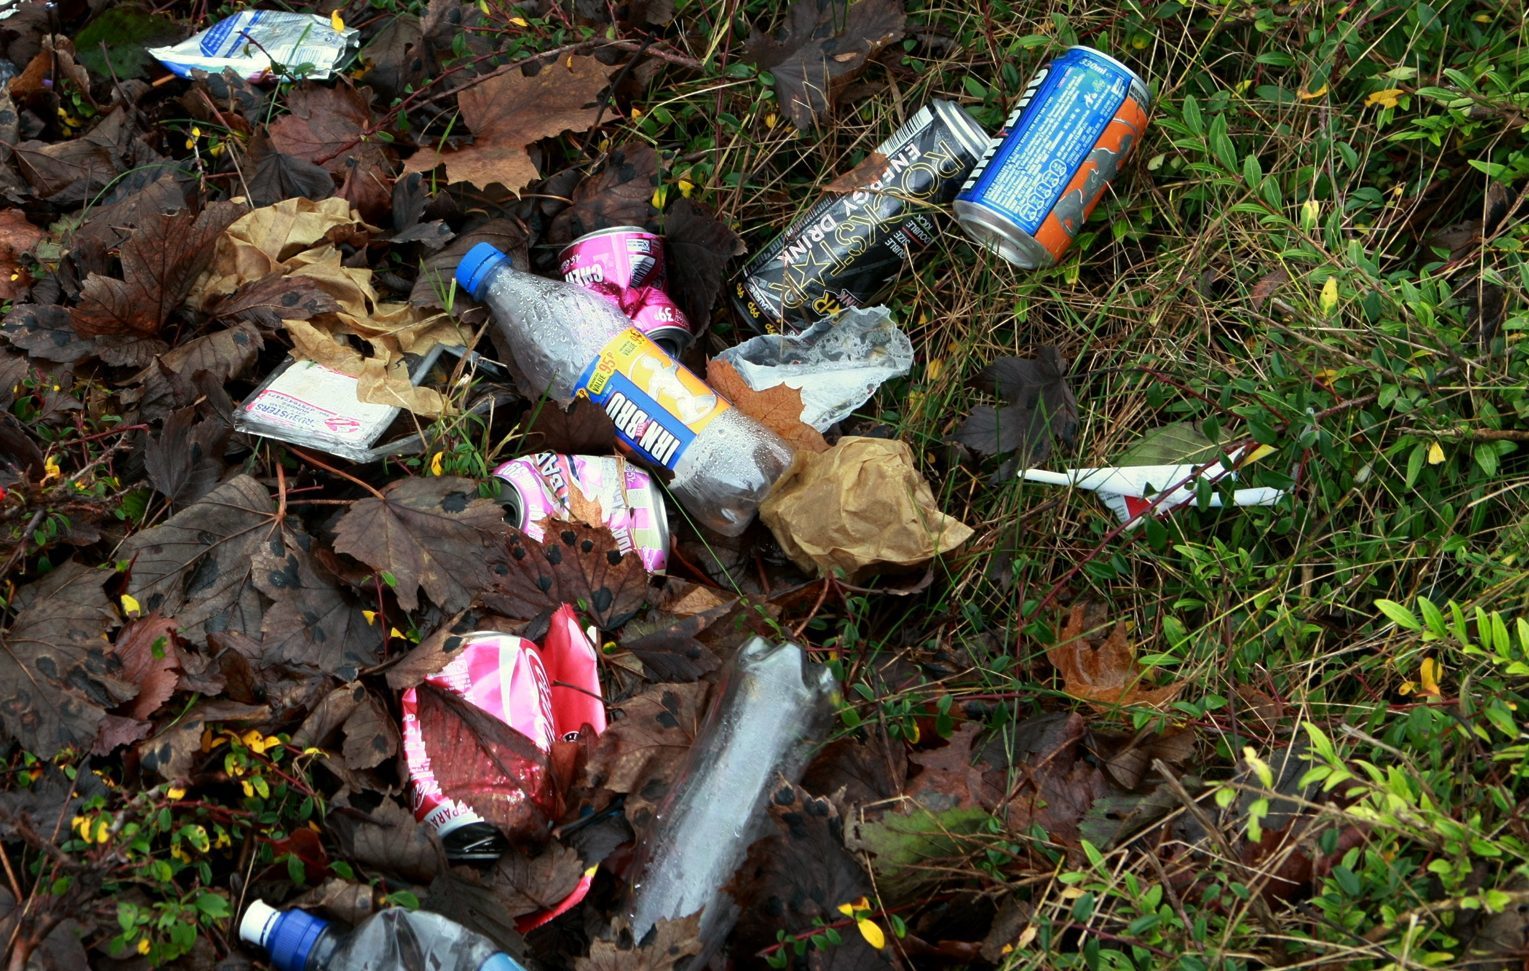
(334, 471)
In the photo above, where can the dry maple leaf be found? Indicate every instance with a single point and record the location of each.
(160, 262)
(428, 533)
(509, 111)
(60, 673)
(700, 246)
(778, 409)
(1105, 674)
(821, 47)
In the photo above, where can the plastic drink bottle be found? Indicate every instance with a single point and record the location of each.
(773, 710)
(573, 343)
(390, 940)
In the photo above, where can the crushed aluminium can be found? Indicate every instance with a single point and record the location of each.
(546, 694)
(1077, 121)
(847, 249)
(541, 486)
(626, 265)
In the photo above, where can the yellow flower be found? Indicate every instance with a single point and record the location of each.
(179, 853)
(337, 22)
(249, 790)
(103, 830)
(686, 187)
(130, 606)
(257, 742)
(869, 929)
(1329, 300)
(1385, 99)
(81, 825)
(144, 945)
(1435, 453)
(636, 112)
(1427, 682)
(872, 933)
(1428, 675)
(370, 615)
(51, 470)
(175, 792)
(771, 120)
(435, 463)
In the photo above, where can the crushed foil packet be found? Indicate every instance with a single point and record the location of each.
(837, 363)
(262, 44)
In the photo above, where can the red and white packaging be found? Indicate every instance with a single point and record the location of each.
(546, 693)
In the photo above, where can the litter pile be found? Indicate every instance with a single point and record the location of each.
(548, 631)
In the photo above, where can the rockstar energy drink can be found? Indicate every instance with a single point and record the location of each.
(1077, 121)
(848, 248)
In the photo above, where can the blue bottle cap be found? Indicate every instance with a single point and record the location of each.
(292, 938)
(473, 268)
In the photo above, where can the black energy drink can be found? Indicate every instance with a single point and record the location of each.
(848, 248)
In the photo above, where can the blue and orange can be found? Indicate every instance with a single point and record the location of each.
(1076, 123)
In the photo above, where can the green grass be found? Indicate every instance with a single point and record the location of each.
(1199, 292)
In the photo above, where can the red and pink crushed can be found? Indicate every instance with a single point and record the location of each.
(626, 266)
(546, 694)
(630, 502)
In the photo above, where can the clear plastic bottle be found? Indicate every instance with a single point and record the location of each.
(773, 710)
(571, 341)
(390, 940)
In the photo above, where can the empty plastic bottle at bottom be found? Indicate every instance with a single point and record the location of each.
(773, 709)
(394, 939)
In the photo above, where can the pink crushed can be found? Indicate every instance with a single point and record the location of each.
(630, 502)
(546, 694)
(626, 266)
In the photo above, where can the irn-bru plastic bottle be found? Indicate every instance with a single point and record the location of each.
(394, 939)
(572, 342)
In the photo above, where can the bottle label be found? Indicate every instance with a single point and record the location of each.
(658, 406)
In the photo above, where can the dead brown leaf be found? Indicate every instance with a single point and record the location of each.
(823, 46)
(151, 660)
(1105, 673)
(621, 194)
(869, 170)
(493, 768)
(160, 262)
(778, 409)
(947, 779)
(330, 127)
(509, 111)
(17, 238)
(672, 943)
(641, 751)
(573, 563)
(428, 533)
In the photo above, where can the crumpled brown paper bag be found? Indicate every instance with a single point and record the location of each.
(297, 236)
(859, 507)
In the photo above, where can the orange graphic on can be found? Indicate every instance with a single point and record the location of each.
(1077, 121)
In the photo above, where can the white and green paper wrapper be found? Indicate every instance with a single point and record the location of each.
(262, 44)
